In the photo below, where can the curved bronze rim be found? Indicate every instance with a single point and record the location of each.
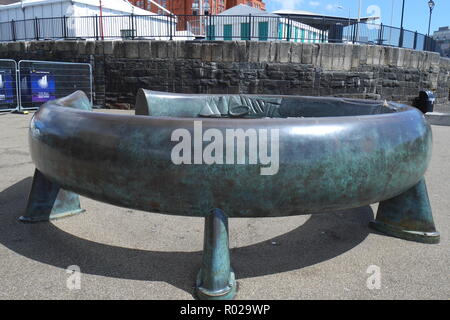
(115, 158)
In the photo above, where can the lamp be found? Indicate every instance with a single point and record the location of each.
(431, 5)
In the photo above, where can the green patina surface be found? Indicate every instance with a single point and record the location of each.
(334, 154)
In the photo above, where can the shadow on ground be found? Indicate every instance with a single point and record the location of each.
(321, 238)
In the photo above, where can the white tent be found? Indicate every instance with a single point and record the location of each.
(29, 9)
(82, 20)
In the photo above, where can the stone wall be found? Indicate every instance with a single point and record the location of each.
(361, 71)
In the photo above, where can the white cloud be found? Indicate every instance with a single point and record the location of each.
(289, 4)
(314, 3)
(331, 7)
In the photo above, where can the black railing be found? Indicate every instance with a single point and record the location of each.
(213, 27)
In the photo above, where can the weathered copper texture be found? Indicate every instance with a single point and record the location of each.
(408, 216)
(215, 280)
(334, 154)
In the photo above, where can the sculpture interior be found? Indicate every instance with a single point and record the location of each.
(218, 156)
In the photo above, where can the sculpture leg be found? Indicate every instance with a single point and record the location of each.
(48, 201)
(408, 216)
(216, 280)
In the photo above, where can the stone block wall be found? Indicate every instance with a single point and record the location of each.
(345, 70)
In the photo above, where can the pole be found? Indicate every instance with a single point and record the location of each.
(392, 22)
(36, 28)
(96, 26)
(403, 14)
(359, 20)
(202, 22)
(250, 26)
(400, 41)
(349, 16)
(216, 280)
(170, 25)
(101, 21)
(429, 23)
(13, 30)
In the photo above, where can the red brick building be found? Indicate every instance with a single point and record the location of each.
(182, 7)
(252, 3)
(188, 7)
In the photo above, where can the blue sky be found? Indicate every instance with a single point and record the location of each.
(416, 11)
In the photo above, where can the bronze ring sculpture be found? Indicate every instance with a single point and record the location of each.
(326, 154)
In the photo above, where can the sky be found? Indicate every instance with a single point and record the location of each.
(416, 11)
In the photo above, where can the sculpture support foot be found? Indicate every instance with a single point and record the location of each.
(408, 216)
(216, 280)
(48, 201)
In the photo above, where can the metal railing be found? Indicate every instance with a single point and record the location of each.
(381, 34)
(213, 27)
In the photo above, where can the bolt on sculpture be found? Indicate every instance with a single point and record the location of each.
(334, 154)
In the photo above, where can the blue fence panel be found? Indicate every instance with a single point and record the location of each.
(41, 81)
(8, 85)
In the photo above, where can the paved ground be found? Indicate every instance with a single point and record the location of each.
(444, 108)
(125, 254)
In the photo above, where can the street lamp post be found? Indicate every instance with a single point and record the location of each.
(431, 4)
(359, 20)
(392, 20)
(403, 13)
(400, 42)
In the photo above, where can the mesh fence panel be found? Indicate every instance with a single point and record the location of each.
(41, 81)
(8, 88)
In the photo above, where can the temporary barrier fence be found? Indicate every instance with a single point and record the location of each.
(41, 81)
(8, 85)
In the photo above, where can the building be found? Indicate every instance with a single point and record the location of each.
(243, 22)
(79, 19)
(442, 37)
(443, 34)
(332, 26)
(155, 6)
(258, 4)
(190, 13)
(190, 7)
(183, 7)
